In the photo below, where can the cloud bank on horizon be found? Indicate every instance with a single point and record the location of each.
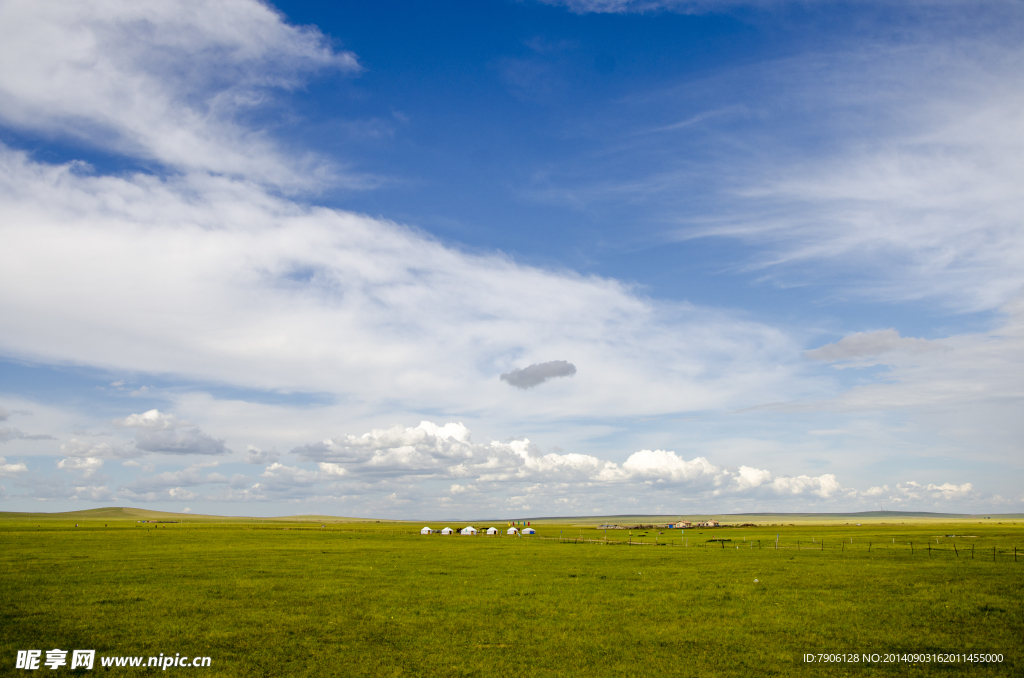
(189, 289)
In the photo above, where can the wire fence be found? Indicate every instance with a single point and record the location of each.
(950, 550)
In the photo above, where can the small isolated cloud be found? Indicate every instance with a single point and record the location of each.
(160, 432)
(864, 345)
(254, 455)
(8, 470)
(153, 420)
(87, 466)
(538, 373)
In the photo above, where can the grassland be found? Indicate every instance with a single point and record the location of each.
(330, 597)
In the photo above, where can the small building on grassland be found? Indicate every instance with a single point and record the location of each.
(492, 530)
(683, 524)
(426, 530)
(529, 530)
(512, 530)
(447, 530)
(469, 529)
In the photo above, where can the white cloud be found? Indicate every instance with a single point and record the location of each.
(429, 451)
(9, 470)
(160, 432)
(93, 493)
(153, 420)
(669, 466)
(822, 486)
(917, 198)
(162, 80)
(87, 466)
(914, 490)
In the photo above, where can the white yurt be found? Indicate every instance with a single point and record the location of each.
(492, 530)
(529, 530)
(469, 530)
(512, 530)
(447, 530)
(426, 530)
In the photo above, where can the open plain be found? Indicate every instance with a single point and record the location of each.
(314, 596)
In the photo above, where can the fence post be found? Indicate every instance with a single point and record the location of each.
(993, 554)
(955, 551)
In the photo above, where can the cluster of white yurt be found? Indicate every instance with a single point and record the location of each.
(470, 530)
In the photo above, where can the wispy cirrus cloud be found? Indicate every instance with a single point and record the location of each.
(166, 81)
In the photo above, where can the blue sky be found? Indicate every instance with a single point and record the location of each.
(249, 248)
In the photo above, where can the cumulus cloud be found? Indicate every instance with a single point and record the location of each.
(87, 466)
(869, 345)
(153, 420)
(93, 493)
(538, 373)
(448, 452)
(9, 470)
(160, 432)
(915, 490)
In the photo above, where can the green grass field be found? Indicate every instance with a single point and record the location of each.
(289, 598)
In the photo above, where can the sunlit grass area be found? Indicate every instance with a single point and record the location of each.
(328, 597)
